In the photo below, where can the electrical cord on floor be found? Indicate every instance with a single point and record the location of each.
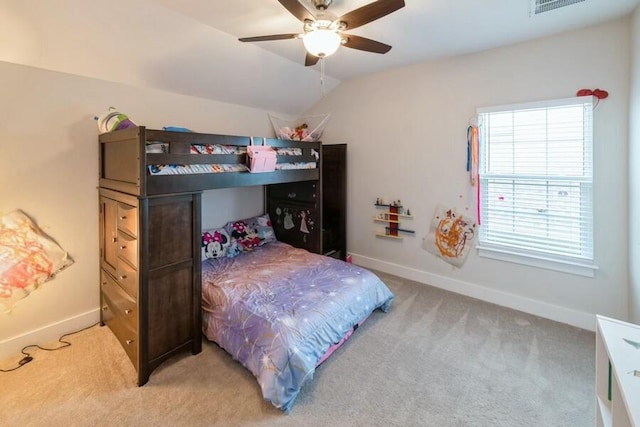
(27, 356)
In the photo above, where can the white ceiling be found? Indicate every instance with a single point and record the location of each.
(191, 47)
(421, 31)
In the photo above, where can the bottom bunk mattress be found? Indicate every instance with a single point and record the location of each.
(279, 309)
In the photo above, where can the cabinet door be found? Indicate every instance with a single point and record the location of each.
(296, 225)
(108, 234)
(334, 200)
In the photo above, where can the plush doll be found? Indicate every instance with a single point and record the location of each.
(300, 132)
(113, 120)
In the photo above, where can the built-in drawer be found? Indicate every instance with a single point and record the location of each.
(120, 302)
(127, 278)
(128, 248)
(304, 192)
(120, 313)
(128, 219)
(120, 328)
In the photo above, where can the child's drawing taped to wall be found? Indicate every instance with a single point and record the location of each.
(450, 236)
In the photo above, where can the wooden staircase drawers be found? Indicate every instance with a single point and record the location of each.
(127, 277)
(120, 313)
(121, 302)
(128, 219)
(128, 248)
(150, 275)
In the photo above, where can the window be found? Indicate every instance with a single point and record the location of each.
(536, 184)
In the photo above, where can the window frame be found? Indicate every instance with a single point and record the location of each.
(575, 264)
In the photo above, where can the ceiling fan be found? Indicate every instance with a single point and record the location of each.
(324, 34)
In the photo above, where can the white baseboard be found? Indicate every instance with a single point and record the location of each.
(47, 334)
(538, 308)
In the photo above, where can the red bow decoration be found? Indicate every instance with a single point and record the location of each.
(598, 93)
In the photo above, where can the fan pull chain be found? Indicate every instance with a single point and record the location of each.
(322, 75)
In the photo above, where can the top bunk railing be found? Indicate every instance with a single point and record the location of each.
(125, 162)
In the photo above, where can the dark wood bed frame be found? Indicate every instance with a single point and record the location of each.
(124, 161)
(150, 231)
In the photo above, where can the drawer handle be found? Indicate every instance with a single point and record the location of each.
(122, 218)
(123, 277)
(123, 247)
(127, 311)
(114, 239)
(104, 283)
(105, 308)
(129, 342)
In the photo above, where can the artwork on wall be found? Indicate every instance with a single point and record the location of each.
(28, 258)
(450, 236)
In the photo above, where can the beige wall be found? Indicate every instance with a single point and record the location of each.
(634, 172)
(406, 131)
(49, 169)
(48, 164)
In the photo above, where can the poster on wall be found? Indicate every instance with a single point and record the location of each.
(450, 236)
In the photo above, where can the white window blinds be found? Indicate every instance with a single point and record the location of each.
(536, 180)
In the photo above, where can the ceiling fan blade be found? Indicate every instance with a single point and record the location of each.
(370, 12)
(310, 60)
(296, 9)
(361, 43)
(267, 38)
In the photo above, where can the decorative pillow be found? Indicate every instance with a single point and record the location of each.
(28, 258)
(251, 232)
(233, 249)
(215, 243)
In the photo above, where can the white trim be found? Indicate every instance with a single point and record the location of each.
(47, 334)
(569, 316)
(576, 100)
(571, 267)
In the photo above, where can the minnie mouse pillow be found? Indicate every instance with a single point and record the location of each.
(251, 232)
(215, 243)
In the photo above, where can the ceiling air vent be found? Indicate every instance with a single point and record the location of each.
(542, 6)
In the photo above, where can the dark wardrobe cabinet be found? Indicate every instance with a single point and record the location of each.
(313, 214)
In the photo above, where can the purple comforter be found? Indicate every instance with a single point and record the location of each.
(278, 309)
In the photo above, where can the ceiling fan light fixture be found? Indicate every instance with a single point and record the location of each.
(322, 42)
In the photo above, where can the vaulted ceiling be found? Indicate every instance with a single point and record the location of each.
(191, 46)
(421, 31)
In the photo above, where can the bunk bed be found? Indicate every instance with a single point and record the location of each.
(127, 156)
(277, 309)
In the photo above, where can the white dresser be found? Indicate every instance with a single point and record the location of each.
(617, 373)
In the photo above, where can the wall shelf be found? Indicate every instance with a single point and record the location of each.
(394, 212)
(388, 236)
(385, 220)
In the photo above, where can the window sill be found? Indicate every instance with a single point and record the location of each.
(570, 267)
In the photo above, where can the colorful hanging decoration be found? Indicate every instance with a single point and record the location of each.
(473, 159)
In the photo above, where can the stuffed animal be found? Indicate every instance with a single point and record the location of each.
(300, 132)
(113, 120)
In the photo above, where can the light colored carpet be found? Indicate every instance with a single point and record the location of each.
(436, 359)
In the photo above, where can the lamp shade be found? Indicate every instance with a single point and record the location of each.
(321, 42)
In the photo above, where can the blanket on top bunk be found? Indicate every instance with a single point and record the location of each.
(278, 309)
